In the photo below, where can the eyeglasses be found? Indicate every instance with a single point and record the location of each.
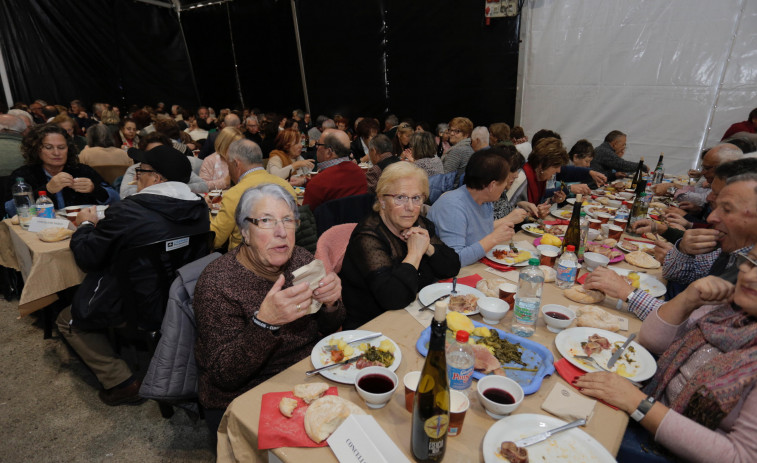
(144, 171)
(401, 200)
(454, 131)
(267, 223)
(744, 262)
(318, 145)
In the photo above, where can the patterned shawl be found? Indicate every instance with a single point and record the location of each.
(718, 385)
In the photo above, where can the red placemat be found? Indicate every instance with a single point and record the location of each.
(557, 222)
(276, 430)
(570, 372)
(495, 265)
(470, 280)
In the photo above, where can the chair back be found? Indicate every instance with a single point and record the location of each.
(333, 244)
(145, 274)
(110, 173)
(350, 209)
(10, 153)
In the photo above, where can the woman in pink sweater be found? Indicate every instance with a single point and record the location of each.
(215, 168)
(705, 403)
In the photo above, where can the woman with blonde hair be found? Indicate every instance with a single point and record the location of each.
(401, 141)
(394, 251)
(215, 168)
(286, 160)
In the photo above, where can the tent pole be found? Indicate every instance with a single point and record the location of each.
(6, 83)
(299, 55)
(177, 8)
(234, 57)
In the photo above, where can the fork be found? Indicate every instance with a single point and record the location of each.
(599, 365)
(428, 306)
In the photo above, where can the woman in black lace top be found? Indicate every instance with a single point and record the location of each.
(393, 252)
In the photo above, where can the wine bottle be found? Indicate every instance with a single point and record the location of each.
(640, 205)
(431, 403)
(440, 147)
(573, 234)
(659, 171)
(639, 174)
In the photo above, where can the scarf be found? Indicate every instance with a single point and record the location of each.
(285, 159)
(717, 386)
(248, 256)
(534, 187)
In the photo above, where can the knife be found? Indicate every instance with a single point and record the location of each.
(364, 338)
(545, 435)
(332, 365)
(620, 351)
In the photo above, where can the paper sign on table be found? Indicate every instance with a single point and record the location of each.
(41, 223)
(361, 439)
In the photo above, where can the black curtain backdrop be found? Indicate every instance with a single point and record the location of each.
(115, 51)
(428, 60)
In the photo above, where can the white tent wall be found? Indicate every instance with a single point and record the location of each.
(673, 75)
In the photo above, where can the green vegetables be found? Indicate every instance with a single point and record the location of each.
(505, 351)
(375, 355)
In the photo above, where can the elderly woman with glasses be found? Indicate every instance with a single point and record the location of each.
(252, 322)
(394, 252)
(455, 160)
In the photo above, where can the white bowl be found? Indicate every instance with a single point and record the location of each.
(548, 247)
(495, 409)
(556, 325)
(593, 234)
(374, 400)
(493, 309)
(592, 260)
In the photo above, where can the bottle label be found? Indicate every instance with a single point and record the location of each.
(524, 313)
(566, 272)
(460, 378)
(46, 211)
(436, 427)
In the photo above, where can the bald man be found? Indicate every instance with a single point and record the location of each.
(337, 175)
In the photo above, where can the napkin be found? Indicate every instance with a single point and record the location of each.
(312, 273)
(557, 222)
(569, 373)
(470, 280)
(495, 265)
(568, 404)
(276, 430)
(580, 280)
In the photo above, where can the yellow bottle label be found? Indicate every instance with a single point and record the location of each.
(436, 426)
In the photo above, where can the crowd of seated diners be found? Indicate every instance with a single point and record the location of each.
(440, 201)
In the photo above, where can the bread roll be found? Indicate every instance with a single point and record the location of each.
(549, 273)
(287, 406)
(491, 287)
(54, 234)
(310, 391)
(326, 414)
(642, 259)
(584, 296)
(596, 317)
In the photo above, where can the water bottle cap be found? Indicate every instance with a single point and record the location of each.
(533, 261)
(583, 213)
(461, 336)
(570, 248)
(42, 193)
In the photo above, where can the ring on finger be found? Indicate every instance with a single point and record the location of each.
(298, 307)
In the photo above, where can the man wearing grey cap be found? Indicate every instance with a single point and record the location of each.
(162, 208)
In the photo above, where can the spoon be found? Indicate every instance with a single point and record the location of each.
(454, 285)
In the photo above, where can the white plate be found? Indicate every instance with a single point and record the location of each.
(433, 291)
(642, 246)
(504, 247)
(590, 210)
(568, 343)
(648, 283)
(319, 358)
(568, 446)
(564, 214)
(531, 228)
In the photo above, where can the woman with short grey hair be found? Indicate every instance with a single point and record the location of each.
(252, 322)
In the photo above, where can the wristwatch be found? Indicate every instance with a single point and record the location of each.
(643, 408)
(630, 295)
(262, 324)
(86, 222)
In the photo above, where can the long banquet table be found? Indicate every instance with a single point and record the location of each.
(237, 436)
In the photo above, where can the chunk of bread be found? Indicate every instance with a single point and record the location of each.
(596, 317)
(310, 391)
(54, 234)
(287, 406)
(584, 296)
(549, 273)
(326, 414)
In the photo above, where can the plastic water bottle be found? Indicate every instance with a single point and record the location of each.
(528, 299)
(24, 201)
(45, 206)
(460, 361)
(584, 234)
(567, 268)
(623, 212)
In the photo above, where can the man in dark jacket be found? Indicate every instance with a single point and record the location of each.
(162, 208)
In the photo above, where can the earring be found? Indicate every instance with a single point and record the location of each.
(383, 205)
